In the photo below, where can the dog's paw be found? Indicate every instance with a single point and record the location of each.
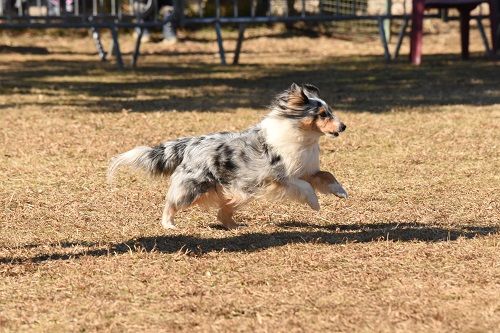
(338, 190)
(307, 194)
(312, 201)
(310, 197)
(168, 225)
(229, 224)
(232, 226)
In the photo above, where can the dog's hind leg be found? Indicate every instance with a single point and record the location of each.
(173, 203)
(182, 193)
(226, 209)
(167, 219)
(326, 183)
(225, 216)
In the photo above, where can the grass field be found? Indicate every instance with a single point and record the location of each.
(415, 248)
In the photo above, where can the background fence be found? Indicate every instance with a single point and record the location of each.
(382, 16)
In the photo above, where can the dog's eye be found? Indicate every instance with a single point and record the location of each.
(323, 114)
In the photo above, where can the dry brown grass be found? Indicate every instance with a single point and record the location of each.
(415, 248)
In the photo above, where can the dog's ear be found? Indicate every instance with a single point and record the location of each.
(297, 95)
(312, 89)
(294, 87)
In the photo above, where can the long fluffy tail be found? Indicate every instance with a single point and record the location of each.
(159, 160)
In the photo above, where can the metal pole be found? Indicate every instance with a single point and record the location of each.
(137, 48)
(220, 43)
(417, 19)
(387, 21)
(483, 35)
(241, 36)
(116, 47)
(84, 11)
(219, 33)
(387, 54)
(179, 12)
(402, 33)
(154, 3)
(98, 44)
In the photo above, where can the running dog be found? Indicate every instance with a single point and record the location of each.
(275, 159)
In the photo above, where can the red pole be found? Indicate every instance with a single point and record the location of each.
(417, 20)
(464, 30)
(495, 24)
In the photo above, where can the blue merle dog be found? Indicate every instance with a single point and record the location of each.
(278, 158)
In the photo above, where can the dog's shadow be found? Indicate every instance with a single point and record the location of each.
(292, 232)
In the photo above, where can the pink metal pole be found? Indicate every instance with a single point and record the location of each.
(417, 20)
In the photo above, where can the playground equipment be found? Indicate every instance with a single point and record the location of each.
(116, 15)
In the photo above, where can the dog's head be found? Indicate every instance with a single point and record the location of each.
(303, 105)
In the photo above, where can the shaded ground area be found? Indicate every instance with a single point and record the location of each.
(415, 248)
(354, 79)
(350, 84)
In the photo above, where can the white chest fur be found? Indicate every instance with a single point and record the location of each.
(298, 149)
(301, 161)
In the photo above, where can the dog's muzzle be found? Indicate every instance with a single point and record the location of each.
(342, 128)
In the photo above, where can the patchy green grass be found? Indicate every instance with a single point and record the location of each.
(415, 248)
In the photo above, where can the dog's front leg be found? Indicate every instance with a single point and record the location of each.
(326, 183)
(302, 191)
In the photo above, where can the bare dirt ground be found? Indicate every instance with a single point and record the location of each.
(415, 247)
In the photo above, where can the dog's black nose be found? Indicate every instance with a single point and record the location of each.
(342, 127)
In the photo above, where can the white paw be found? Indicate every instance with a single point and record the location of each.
(307, 194)
(168, 225)
(314, 204)
(338, 190)
(312, 200)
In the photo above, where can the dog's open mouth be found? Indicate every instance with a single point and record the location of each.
(333, 134)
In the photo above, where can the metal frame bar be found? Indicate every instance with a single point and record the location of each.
(137, 48)
(116, 48)
(383, 39)
(129, 21)
(401, 35)
(241, 36)
(388, 22)
(98, 44)
(483, 36)
(220, 43)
